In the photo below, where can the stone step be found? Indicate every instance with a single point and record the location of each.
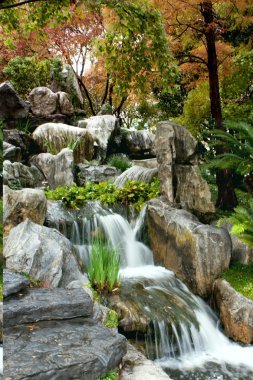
(47, 304)
(77, 349)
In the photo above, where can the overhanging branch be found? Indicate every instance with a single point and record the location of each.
(7, 6)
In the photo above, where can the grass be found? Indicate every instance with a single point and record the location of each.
(112, 375)
(120, 162)
(103, 269)
(240, 278)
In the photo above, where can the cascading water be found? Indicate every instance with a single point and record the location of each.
(183, 334)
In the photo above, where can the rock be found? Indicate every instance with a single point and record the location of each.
(1, 333)
(235, 310)
(20, 205)
(58, 136)
(23, 141)
(71, 349)
(13, 282)
(57, 169)
(18, 175)
(137, 144)
(96, 173)
(149, 163)
(192, 191)
(136, 173)
(11, 152)
(64, 103)
(11, 105)
(135, 365)
(47, 304)
(102, 128)
(197, 253)
(240, 251)
(44, 253)
(43, 101)
(174, 144)
(69, 85)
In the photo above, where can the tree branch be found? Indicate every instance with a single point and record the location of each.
(87, 95)
(192, 58)
(106, 89)
(19, 4)
(119, 108)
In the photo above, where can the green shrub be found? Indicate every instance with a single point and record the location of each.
(120, 162)
(134, 193)
(112, 375)
(103, 269)
(242, 223)
(240, 278)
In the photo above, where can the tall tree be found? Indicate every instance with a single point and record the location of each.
(192, 24)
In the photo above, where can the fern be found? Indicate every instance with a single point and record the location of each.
(242, 223)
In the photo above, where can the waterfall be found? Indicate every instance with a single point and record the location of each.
(136, 173)
(183, 334)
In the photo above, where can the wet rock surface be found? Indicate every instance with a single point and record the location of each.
(235, 310)
(13, 282)
(197, 253)
(47, 304)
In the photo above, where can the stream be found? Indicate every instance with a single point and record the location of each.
(184, 335)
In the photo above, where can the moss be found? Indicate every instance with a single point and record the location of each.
(111, 320)
(94, 292)
(112, 375)
(240, 278)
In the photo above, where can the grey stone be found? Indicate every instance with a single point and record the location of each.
(135, 365)
(149, 163)
(64, 103)
(11, 105)
(23, 141)
(11, 152)
(45, 305)
(136, 173)
(20, 205)
(1, 330)
(43, 101)
(235, 310)
(13, 282)
(59, 136)
(44, 253)
(77, 349)
(191, 190)
(57, 169)
(138, 144)
(240, 251)
(19, 175)
(96, 173)
(197, 253)
(102, 128)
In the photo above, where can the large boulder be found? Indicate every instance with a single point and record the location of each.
(20, 205)
(43, 101)
(191, 190)
(44, 253)
(174, 144)
(235, 310)
(11, 105)
(136, 173)
(11, 152)
(56, 136)
(102, 128)
(197, 253)
(137, 144)
(96, 173)
(22, 141)
(64, 103)
(57, 169)
(18, 175)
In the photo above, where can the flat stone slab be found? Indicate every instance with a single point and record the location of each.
(47, 304)
(13, 282)
(61, 350)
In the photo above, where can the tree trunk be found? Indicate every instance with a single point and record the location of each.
(224, 178)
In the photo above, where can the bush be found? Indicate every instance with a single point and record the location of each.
(103, 269)
(134, 193)
(120, 162)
